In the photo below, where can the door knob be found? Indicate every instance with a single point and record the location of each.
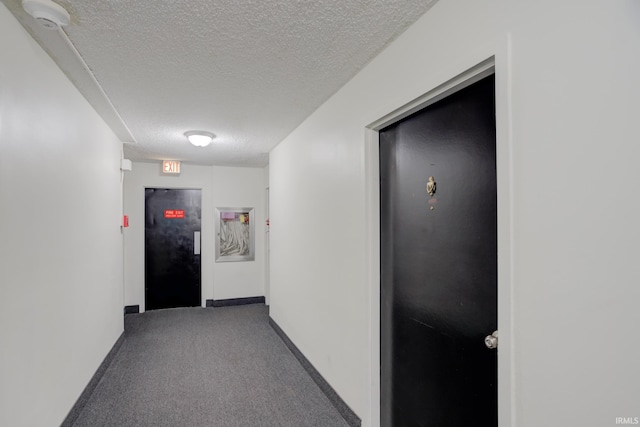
(491, 341)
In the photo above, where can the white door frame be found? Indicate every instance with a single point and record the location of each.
(499, 66)
(267, 254)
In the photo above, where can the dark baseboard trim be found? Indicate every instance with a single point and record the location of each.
(131, 309)
(74, 413)
(234, 301)
(347, 413)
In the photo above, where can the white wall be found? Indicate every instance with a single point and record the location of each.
(567, 147)
(221, 187)
(61, 249)
(241, 187)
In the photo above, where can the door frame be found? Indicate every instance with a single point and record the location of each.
(143, 304)
(267, 253)
(506, 413)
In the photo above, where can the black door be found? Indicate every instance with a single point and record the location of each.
(439, 263)
(172, 259)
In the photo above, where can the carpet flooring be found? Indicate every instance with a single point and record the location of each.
(221, 367)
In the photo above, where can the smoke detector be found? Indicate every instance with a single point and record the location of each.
(47, 13)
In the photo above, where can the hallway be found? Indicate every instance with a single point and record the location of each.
(72, 219)
(206, 366)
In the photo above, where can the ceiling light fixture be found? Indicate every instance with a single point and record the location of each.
(199, 138)
(48, 14)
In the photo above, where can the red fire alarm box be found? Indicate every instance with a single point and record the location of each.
(125, 220)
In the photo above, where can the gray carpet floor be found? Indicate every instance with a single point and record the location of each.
(206, 367)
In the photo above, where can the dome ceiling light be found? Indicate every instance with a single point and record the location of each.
(48, 14)
(199, 138)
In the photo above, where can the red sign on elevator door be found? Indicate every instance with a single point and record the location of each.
(173, 213)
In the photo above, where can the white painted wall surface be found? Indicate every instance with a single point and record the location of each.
(241, 187)
(61, 249)
(224, 187)
(567, 152)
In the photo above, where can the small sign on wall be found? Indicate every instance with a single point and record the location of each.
(170, 167)
(174, 213)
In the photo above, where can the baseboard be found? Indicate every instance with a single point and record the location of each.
(234, 301)
(347, 413)
(77, 408)
(131, 309)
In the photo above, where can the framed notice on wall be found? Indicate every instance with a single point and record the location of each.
(235, 234)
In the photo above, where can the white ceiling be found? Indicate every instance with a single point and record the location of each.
(249, 71)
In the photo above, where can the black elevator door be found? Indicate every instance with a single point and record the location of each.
(439, 263)
(172, 260)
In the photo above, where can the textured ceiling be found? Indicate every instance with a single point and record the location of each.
(249, 71)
